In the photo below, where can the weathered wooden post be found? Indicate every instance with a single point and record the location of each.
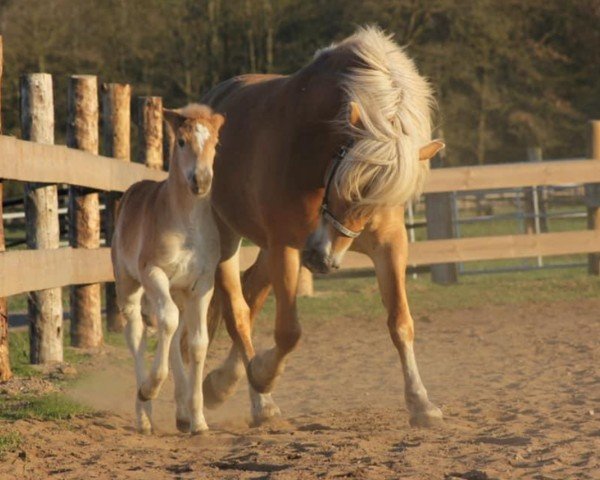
(5, 370)
(150, 132)
(116, 124)
(305, 283)
(84, 211)
(439, 213)
(41, 217)
(593, 196)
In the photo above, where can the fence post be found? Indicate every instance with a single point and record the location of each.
(5, 371)
(593, 196)
(84, 212)
(439, 213)
(535, 202)
(41, 217)
(116, 123)
(150, 132)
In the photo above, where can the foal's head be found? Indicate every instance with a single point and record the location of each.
(196, 131)
(342, 218)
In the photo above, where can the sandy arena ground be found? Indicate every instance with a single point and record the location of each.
(519, 387)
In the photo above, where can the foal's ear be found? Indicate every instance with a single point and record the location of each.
(173, 118)
(354, 115)
(217, 120)
(429, 150)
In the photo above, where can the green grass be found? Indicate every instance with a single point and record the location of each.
(9, 442)
(358, 296)
(19, 354)
(18, 345)
(50, 406)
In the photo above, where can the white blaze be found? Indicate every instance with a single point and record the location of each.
(202, 135)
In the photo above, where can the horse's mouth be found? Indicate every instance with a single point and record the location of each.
(316, 262)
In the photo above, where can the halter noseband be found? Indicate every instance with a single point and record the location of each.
(325, 212)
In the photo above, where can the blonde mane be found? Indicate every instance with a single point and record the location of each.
(383, 167)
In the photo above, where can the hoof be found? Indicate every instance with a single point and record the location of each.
(144, 429)
(427, 418)
(200, 430)
(212, 397)
(183, 425)
(254, 383)
(141, 397)
(268, 414)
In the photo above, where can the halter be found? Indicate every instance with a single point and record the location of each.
(325, 212)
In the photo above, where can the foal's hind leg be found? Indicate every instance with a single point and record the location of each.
(385, 241)
(129, 294)
(156, 285)
(182, 416)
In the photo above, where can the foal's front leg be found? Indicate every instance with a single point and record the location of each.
(195, 317)
(156, 286)
(129, 294)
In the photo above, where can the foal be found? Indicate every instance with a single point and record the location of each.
(166, 247)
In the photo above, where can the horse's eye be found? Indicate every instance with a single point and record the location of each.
(181, 142)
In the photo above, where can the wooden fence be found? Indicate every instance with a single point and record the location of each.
(44, 268)
(30, 162)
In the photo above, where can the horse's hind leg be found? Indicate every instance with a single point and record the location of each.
(156, 286)
(388, 248)
(284, 268)
(129, 294)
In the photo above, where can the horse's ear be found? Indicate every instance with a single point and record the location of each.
(354, 115)
(429, 150)
(173, 118)
(217, 120)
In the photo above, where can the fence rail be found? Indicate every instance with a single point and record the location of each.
(67, 266)
(512, 175)
(35, 162)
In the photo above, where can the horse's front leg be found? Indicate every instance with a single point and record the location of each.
(284, 267)
(387, 245)
(195, 317)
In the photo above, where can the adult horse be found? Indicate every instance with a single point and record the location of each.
(308, 166)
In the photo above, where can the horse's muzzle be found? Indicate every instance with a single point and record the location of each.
(316, 262)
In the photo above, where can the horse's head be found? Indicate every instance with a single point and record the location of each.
(342, 220)
(196, 131)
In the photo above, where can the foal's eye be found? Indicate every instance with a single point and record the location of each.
(181, 142)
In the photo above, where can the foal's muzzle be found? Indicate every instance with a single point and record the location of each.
(200, 182)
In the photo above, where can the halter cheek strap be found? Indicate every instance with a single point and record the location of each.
(325, 212)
